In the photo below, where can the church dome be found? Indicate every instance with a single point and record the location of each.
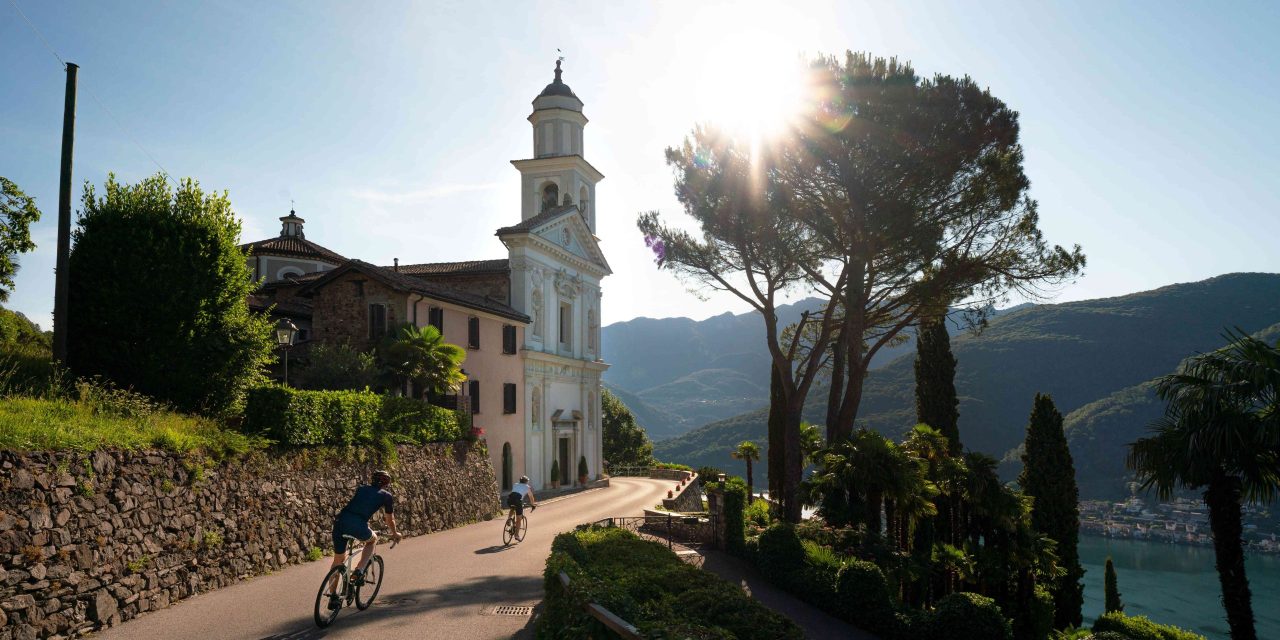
(557, 95)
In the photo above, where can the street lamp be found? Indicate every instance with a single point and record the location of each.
(286, 333)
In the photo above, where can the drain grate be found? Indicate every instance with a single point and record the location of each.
(508, 610)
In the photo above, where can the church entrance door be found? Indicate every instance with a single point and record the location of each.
(565, 461)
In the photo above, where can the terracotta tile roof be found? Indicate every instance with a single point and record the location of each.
(294, 280)
(468, 267)
(292, 247)
(545, 216)
(413, 284)
(293, 308)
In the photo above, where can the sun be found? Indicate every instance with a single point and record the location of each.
(751, 84)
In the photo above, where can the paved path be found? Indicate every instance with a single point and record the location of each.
(817, 624)
(442, 585)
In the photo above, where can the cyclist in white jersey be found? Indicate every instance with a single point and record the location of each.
(515, 499)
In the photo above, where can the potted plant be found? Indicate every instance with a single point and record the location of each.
(555, 474)
(582, 470)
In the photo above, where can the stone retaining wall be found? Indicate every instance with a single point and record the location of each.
(90, 540)
(686, 499)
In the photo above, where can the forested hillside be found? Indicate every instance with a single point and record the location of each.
(1079, 352)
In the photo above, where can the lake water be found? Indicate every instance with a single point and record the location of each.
(1176, 584)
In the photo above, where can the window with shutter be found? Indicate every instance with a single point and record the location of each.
(435, 317)
(473, 333)
(377, 320)
(508, 339)
(473, 388)
(509, 397)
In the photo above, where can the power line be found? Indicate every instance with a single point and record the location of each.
(38, 34)
(94, 96)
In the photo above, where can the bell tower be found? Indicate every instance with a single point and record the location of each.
(558, 175)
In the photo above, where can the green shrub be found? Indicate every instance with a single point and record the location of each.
(582, 467)
(757, 513)
(735, 500)
(820, 573)
(781, 556)
(864, 596)
(645, 584)
(298, 417)
(1140, 628)
(197, 347)
(966, 616)
(672, 465)
(1036, 623)
(708, 474)
(418, 421)
(555, 470)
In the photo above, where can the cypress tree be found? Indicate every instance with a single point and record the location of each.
(1049, 476)
(1113, 604)
(936, 401)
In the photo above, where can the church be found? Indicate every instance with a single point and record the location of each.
(530, 322)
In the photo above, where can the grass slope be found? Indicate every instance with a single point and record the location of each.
(37, 424)
(1080, 352)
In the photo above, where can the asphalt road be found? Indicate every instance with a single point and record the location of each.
(442, 585)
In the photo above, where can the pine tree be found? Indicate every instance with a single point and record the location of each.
(1113, 604)
(1049, 476)
(936, 400)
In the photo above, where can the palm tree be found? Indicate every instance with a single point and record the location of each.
(748, 452)
(421, 356)
(1220, 433)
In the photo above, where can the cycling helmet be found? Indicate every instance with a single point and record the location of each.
(524, 479)
(381, 478)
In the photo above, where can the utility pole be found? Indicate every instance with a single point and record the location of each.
(62, 282)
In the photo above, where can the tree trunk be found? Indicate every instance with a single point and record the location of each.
(890, 524)
(875, 500)
(776, 445)
(1223, 498)
(835, 395)
(750, 483)
(793, 462)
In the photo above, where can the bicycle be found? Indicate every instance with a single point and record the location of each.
(350, 590)
(516, 525)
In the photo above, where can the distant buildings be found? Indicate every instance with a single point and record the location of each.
(1181, 521)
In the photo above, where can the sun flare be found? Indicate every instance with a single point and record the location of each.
(753, 86)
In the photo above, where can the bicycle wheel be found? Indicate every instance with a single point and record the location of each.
(508, 529)
(521, 526)
(324, 615)
(365, 593)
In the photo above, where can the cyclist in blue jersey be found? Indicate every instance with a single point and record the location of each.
(353, 521)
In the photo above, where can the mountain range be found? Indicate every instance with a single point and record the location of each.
(1095, 357)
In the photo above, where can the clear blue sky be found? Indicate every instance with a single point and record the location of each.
(1150, 127)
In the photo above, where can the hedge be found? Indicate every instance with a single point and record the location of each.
(853, 590)
(645, 584)
(299, 418)
(1140, 628)
(735, 502)
(966, 616)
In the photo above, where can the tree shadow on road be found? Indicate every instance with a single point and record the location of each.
(476, 596)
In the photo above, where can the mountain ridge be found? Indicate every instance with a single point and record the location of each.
(1079, 352)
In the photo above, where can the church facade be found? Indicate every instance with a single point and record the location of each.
(530, 322)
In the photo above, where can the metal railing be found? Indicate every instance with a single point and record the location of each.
(686, 531)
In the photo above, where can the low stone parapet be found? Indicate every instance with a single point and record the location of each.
(90, 540)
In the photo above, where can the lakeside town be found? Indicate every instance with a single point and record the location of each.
(1181, 521)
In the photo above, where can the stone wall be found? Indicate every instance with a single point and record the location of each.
(687, 499)
(340, 309)
(90, 540)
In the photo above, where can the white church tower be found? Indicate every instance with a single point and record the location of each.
(556, 268)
